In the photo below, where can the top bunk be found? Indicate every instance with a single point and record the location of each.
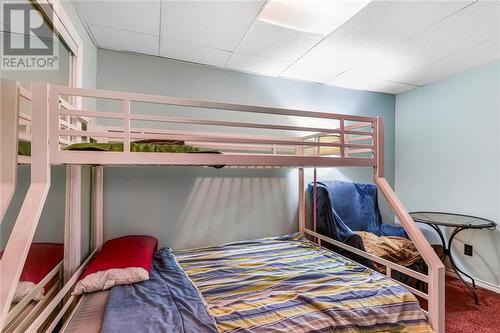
(103, 127)
(17, 104)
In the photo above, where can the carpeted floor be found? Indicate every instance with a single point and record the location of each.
(463, 316)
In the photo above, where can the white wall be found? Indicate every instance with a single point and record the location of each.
(196, 206)
(448, 158)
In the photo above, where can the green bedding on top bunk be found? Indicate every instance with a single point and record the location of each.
(24, 148)
(142, 147)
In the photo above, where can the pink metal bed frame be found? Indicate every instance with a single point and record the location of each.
(358, 142)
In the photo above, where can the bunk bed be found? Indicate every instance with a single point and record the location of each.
(346, 140)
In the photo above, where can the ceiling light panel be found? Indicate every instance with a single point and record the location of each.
(379, 25)
(277, 42)
(473, 57)
(136, 16)
(121, 40)
(315, 16)
(256, 64)
(217, 24)
(193, 53)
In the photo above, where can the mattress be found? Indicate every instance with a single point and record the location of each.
(279, 284)
(148, 146)
(88, 316)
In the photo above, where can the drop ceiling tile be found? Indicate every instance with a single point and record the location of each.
(137, 16)
(391, 87)
(217, 24)
(379, 25)
(194, 53)
(301, 71)
(473, 25)
(255, 64)
(473, 57)
(121, 40)
(360, 82)
(277, 42)
(354, 81)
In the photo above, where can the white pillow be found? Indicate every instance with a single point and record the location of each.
(24, 288)
(103, 280)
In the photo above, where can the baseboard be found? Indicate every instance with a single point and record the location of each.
(480, 283)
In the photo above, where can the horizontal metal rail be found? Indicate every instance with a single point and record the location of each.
(193, 121)
(387, 263)
(60, 314)
(24, 116)
(206, 138)
(40, 285)
(136, 158)
(158, 131)
(26, 317)
(25, 93)
(59, 297)
(156, 99)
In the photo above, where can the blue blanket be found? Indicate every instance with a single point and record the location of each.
(167, 302)
(354, 207)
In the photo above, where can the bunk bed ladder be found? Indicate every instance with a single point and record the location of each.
(436, 274)
(24, 229)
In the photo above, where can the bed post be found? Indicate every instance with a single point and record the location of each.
(315, 205)
(72, 221)
(302, 202)
(97, 206)
(24, 229)
(315, 200)
(436, 310)
(9, 117)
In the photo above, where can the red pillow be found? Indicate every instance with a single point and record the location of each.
(122, 260)
(41, 259)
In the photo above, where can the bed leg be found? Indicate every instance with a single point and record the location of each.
(302, 202)
(97, 206)
(72, 224)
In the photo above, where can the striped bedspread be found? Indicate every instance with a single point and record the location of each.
(288, 284)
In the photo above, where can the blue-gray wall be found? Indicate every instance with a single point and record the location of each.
(196, 206)
(448, 158)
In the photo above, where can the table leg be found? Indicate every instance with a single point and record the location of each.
(458, 270)
(443, 242)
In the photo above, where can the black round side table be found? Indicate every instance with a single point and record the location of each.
(459, 222)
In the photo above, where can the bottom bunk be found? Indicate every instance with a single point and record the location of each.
(277, 284)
